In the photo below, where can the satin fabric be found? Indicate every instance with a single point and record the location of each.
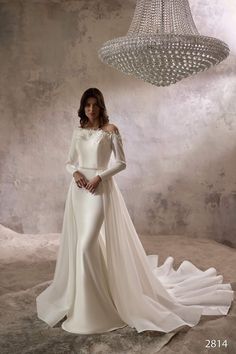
(103, 278)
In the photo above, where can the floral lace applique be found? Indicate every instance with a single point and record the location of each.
(87, 133)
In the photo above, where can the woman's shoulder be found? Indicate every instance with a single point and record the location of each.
(78, 129)
(111, 128)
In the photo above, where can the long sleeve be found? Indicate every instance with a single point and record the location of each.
(72, 156)
(120, 161)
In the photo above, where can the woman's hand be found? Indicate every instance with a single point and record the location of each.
(93, 183)
(80, 179)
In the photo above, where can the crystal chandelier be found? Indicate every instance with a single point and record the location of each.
(163, 45)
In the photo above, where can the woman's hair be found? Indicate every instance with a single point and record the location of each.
(96, 93)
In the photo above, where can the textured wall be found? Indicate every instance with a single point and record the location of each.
(179, 140)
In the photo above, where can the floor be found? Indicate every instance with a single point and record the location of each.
(26, 268)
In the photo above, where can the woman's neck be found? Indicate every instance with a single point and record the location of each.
(94, 125)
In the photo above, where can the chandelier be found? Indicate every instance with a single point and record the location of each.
(163, 45)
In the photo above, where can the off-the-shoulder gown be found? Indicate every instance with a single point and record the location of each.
(103, 278)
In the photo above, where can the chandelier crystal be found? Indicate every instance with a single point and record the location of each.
(163, 45)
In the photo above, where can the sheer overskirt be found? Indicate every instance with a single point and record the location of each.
(148, 296)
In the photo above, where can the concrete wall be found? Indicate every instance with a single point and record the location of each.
(179, 140)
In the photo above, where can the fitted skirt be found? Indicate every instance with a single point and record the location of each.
(80, 288)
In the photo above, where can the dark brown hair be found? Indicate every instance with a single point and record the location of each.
(96, 93)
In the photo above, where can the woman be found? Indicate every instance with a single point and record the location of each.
(103, 278)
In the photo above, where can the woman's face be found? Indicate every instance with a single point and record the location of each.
(92, 109)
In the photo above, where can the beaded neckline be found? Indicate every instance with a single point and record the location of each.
(90, 130)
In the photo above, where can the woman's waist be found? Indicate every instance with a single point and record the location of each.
(90, 171)
(97, 168)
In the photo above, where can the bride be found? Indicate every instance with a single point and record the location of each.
(103, 279)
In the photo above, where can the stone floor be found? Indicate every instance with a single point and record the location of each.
(27, 264)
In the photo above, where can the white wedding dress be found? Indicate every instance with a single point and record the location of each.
(103, 278)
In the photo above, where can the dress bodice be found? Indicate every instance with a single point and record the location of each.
(93, 148)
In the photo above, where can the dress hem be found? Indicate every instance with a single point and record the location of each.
(97, 332)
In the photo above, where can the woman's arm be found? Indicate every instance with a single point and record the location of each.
(117, 148)
(72, 156)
